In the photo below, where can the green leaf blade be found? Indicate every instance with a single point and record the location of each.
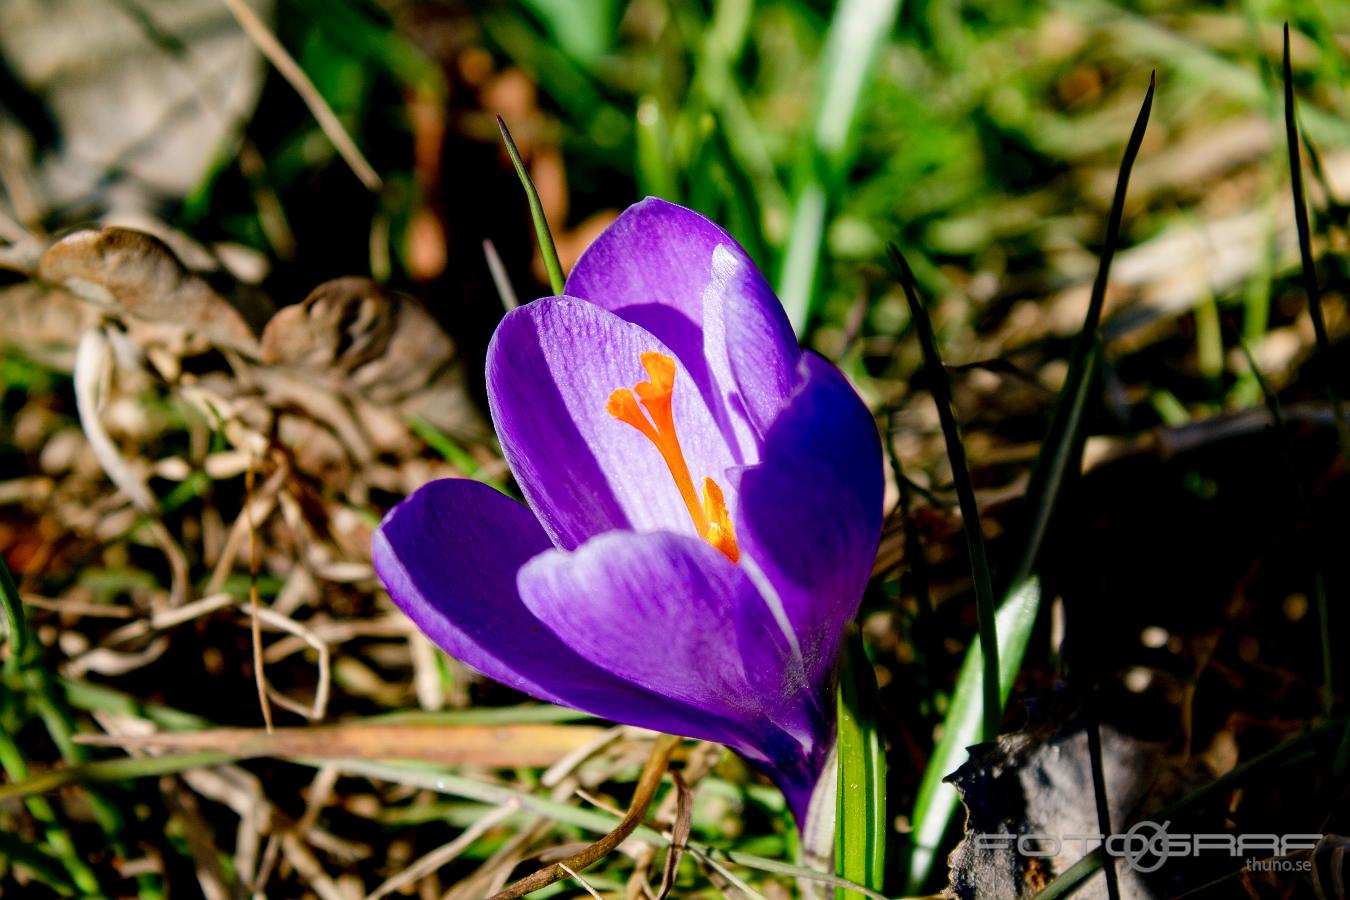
(937, 800)
(862, 825)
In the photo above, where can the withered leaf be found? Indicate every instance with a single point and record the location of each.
(495, 746)
(137, 277)
(378, 345)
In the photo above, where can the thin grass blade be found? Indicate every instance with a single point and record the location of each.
(1324, 363)
(16, 628)
(542, 234)
(862, 825)
(1062, 444)
(110, 770)
(992, 707)
(1310, 286)
(21, 853)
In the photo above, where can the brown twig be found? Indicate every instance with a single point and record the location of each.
(649, 781)
(284, 63)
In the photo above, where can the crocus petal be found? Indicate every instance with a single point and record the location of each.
(655, 265)
(551, 369)
(810, 513)
(672, 615)
(450, 555)
(650, 267)
(751, 349)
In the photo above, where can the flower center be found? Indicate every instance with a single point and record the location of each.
(710, 513)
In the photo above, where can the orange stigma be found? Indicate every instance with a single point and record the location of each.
(708, 512)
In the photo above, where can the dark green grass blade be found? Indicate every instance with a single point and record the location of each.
(14, 764)
(936, 801)
(1324, 363)
(1059, 450)
(16, 629)
(1094, 734)
(965, 492)
(20, 853)
(861, 824)
(1305, 251)
(541, 230)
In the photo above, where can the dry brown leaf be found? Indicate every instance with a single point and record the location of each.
(137, 277)
(495, 746)
(380, 346)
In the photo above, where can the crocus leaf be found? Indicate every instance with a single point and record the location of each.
(933, 808)
(861, 823)
(16, 629)
(541, 229)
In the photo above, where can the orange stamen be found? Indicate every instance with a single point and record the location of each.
(708, 513)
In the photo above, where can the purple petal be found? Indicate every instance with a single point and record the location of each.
(752, 352)
(810, 513)
(655, 266)
(450, 555)
(670, 614)
(551, 368)
(650, 267)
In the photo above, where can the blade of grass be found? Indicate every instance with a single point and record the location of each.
(861, 824)
(1324, 364)
(941, 390)
(854, 40)
(936, 800)
(1094, 735)
(1060, 447)
(30, 787)
(18, 852)
(99, 698)
(1310, 285)
(1310, 269)
(541, 230)
(16, 628)
(14, 765)
(46, 696)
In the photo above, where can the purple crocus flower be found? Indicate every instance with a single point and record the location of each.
(704, 505)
